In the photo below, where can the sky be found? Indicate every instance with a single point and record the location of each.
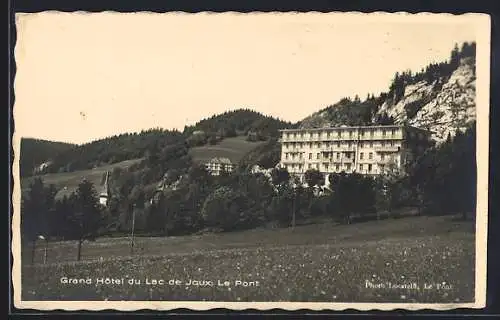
(82, 76)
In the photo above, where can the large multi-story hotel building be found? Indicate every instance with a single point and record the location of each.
(362, 149)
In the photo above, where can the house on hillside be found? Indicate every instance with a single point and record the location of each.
(40, 168)
(218, 165)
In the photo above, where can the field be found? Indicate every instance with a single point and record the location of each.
(232, 148)
(415, 259)
(68, 181)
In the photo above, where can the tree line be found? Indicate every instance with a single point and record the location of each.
(112, 150)
(254, 125)
(437, 73)
(440, 181)
(36, 151)
(357, 112)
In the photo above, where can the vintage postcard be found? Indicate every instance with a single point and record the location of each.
(318, 161)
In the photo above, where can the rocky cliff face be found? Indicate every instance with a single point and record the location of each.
(442, 107)
(443, 103)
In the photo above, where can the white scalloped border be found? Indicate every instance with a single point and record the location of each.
(483, 79)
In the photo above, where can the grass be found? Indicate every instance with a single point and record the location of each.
(324, 262)
(232, 148)
(68, 182)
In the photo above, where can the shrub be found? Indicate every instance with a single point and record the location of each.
(226, 209)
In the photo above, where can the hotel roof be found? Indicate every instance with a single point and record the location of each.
(354, 127)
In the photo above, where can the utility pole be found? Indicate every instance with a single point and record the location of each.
(41, 237)
(133, 229)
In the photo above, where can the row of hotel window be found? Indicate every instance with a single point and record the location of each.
(332, 155)
(368, 168)
(350, 133)
(338, 144)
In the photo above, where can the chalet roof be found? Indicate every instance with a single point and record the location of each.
(221, 160)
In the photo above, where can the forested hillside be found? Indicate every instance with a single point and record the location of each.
(440, 98)
(34, 152)
(68, 158)
(254, 125)
(113, 150)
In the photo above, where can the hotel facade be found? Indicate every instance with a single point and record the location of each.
(369, 150)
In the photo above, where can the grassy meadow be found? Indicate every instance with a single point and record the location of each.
(425, 260)
(232, 148)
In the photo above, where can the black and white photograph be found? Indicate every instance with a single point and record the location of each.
(261, 160)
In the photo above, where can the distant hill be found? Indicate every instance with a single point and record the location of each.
(35, 152)
(112, 150)
(440, 98)
(241, 122)
(67, 182)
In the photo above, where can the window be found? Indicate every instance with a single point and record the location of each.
(370, 155)
(302, 135)
(309, 166)
(295, 135)
(300, 155)
(371, 133)
(361, 155)
(286, 155)
(348, 166)
(310, 145)
(317, 155)
(382, 156)
(328, 134)
(369, 167)
(337, 167)
(361, 145)
(317, 166)
(393, 132)
(382, 167)
(319, 144)
(339, 134)
(338, 155)
(326, 166)
(360, 167)
(350, 134)
(338, 144)
(383, 133)
(310, 156)
(371, 144)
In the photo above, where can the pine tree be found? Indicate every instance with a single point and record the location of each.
(36, 211)
(86, 218)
